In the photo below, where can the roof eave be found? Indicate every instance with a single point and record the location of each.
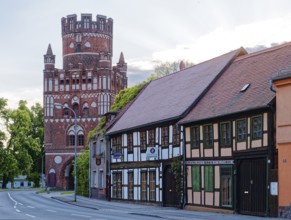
(247, 111)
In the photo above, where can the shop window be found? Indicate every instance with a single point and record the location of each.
(117, 185)
(152, 179)
(130, 185)
(144, 186)
(226, 186)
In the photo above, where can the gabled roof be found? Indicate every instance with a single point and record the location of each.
(256, 69)
(169, 97)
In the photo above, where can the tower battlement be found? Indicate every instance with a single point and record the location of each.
(102, 24)
(86, 41)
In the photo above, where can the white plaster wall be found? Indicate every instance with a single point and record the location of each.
(165, 153)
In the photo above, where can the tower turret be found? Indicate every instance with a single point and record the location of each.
(49, 58)
(87, 41)
(122, 65)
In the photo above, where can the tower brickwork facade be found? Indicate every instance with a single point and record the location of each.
(87, 85)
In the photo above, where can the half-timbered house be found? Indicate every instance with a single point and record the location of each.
(146, 138)
(230, 149)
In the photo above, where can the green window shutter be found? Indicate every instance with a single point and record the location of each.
(208, 178)
(196, 178)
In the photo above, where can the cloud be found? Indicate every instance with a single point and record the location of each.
(222, 40)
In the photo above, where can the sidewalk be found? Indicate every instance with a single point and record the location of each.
(154, 211)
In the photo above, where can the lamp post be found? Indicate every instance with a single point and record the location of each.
(60, 106)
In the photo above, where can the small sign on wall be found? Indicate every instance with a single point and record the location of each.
(274, 188)
(152, 152)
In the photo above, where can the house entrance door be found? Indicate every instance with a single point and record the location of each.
(170, 192)
(252, 186)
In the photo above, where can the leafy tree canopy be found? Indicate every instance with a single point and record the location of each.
(23, 150)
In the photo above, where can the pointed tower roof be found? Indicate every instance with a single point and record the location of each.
(49, 50)
(121, 58)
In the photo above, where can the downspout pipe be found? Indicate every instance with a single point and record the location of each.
(271, 86)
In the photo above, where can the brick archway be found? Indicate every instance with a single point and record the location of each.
(66, 177)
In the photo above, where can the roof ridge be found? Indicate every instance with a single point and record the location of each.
(267, 50)
(189, 67)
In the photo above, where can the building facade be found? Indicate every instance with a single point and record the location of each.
(146, 142)
(231, 154)
(86, 85)
(282, 85)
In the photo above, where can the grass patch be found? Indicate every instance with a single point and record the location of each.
(67, 193)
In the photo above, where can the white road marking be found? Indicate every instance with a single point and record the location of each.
(51, 210)
(20, 203)
(10, 197)
(32, 216)
(85, 216)
(30, 207)
(17, 210)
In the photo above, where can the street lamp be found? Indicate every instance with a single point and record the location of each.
(60, 106)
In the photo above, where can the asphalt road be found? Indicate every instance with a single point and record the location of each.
(19, 205)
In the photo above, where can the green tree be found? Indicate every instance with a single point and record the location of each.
(37, 133)
(165, 68)
(25, 142)
(82, 173)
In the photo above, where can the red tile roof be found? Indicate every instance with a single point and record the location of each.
(256, 69)
(169, 97)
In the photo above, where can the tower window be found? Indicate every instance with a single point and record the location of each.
(66, 112)
(80, 139)
(71, 23)
(71, 140)
(78, 38)
(78, 48)
(86, 23)
(85, 112)
(76, 109)
(102, 25)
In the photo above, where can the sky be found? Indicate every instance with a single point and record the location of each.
(146, 31)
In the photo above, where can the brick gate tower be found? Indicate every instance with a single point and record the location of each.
(87, 85)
